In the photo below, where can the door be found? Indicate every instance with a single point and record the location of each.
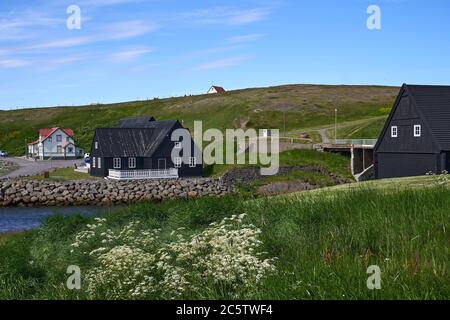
(161, 164)
(448, 161)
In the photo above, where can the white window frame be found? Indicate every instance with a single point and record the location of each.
(417, 130)
(58, 138)
(117, 163)
(177, 162)
(132, 163)
(96, 144)
(394, 132)
(59, 149)
(93, 162)
(99, 163)
(50, 139)
(177, 145)
(192, 162)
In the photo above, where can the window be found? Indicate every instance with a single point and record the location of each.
(177, 162)
(177, 145)
(99, 163)
(96, 145)
(93, 162)
(132, 163)
(417, 130)
(67, 139)
(117, 163)
(59, 138)
(49, 139)
(59, 149)
(394, 131)
(70, 150)
(192, 162)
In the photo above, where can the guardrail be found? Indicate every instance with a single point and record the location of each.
(364, 142)
(143, 174)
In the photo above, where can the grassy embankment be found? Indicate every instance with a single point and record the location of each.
(334, 163)
(324, 241)
(303, 106)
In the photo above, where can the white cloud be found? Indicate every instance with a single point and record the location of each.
(116, 31)
(219, 64)
(105, 3)
(245, 38)
(16, 26)
(13, 63)
(229, 16)
(129, 55)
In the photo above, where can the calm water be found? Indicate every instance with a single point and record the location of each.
(18, 219)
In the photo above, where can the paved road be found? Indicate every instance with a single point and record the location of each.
(324, 135)
(31, 168)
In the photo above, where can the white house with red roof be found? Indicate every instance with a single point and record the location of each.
(216, 89)
(55, 143)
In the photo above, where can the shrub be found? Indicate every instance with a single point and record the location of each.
(223, 261)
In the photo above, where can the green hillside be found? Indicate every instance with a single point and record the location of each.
(303, 106)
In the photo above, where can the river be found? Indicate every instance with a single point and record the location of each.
(20, 219)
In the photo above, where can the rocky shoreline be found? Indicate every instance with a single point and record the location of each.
(43, 193)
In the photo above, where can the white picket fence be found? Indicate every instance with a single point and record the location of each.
(143, 174)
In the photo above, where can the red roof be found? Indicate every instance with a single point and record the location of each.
(47, 132)
(219, 89)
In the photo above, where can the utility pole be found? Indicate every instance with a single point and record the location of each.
(335, 125)
(284, 116)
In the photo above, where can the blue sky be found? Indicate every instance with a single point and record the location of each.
(138, 49)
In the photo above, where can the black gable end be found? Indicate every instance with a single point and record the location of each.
(413, 140)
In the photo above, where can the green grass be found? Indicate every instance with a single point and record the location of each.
(361, 129)
(324, 241)
(315, 178)
(304, 106)
(65, 174)
(335, 163)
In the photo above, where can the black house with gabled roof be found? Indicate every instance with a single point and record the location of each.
(140, 148)
(416, 137)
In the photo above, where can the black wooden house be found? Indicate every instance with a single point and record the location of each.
(416, 137)
(140, 148)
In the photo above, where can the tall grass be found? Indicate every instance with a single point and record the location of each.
(324, 244)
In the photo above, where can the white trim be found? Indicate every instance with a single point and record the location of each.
(117, 163)
(93, 161)
(99, 162)
(417, 130)
(96, 144)
(394, 132)
(177, 162)
(132, 163)
(192, 162)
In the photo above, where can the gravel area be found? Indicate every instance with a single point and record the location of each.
(32, 168)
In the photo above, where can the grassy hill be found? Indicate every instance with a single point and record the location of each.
(303, 107)
(323, 240)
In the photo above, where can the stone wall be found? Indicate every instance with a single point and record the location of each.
(32, 193)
